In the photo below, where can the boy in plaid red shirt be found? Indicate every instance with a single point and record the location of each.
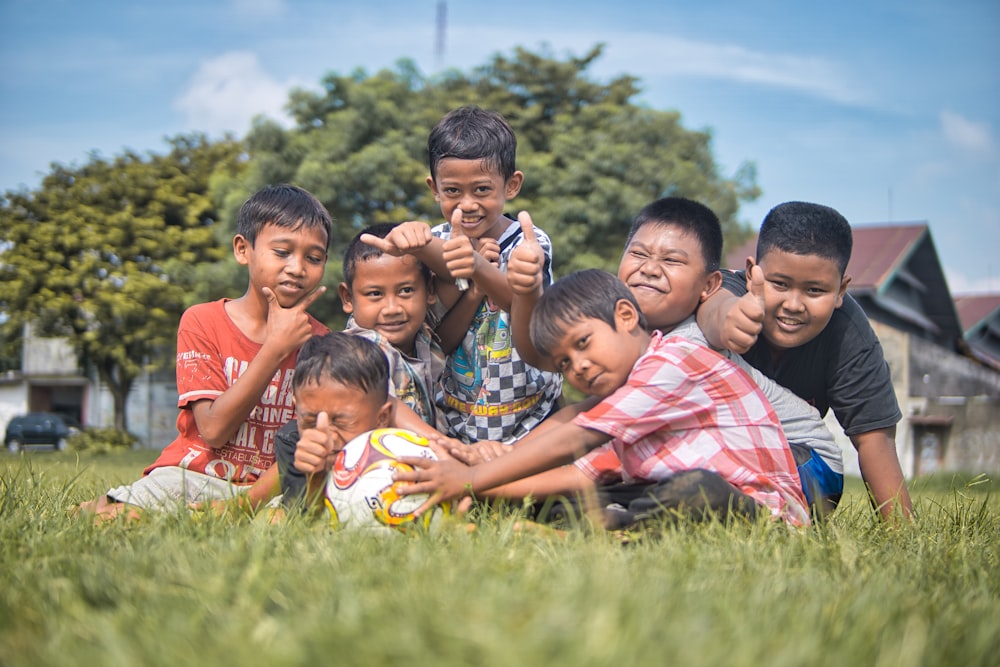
(680, 419)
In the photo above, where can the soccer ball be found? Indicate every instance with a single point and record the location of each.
(360, 491)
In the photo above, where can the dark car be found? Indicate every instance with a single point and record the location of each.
(40, 428)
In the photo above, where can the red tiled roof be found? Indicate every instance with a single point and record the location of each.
(879, 250)
(974, 308)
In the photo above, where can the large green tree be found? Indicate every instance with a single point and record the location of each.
(99, 254)
(592, 156)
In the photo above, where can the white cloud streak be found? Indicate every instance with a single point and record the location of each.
(227, 91)
(965, 134)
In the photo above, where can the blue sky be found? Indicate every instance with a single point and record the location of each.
(889, 111)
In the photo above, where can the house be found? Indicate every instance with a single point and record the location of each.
(980, 318)
(947, 387)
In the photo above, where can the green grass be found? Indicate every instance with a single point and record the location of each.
(174, 589)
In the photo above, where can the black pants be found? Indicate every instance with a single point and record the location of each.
(695, 495)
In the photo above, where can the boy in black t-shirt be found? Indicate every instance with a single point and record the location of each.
(790, 316)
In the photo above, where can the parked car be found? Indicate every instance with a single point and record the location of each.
(40, 428)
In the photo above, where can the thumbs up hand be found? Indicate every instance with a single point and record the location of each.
(743, 323)
(527, 260)
(317, 447)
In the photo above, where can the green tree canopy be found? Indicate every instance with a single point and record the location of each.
(87, 255)
(592, 157)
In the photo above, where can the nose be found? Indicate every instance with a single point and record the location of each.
(793, 301)
(650, 267)
(579, 364)
(392, 304)
(294, 265)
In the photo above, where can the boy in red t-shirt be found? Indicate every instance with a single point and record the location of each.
(236, 359)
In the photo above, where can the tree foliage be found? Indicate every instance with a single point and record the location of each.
(592, 157)
(87, 255)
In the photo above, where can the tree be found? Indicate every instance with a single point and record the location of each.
(591, 156)
(98, 254)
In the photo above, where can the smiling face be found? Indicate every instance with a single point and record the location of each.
(288, 261)
(800, 294)
(352, 411)
(664, 268)
(390, 296)
(596, 358)
(478, 190)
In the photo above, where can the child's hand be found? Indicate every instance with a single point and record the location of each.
(488, 249)
(317, 448)
(404, 238)
(443, 480)
(289, 327)
(458, 254)
(527, 260)
(745, 319)
(479, 452)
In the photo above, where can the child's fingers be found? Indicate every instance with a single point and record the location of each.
(755, 282)
(380, 243)
(527, 227)
(311, 298)
(456, 222)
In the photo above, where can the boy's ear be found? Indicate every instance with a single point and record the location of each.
(384, 417)
(514, 183)
(843, 290)
(345, 298)
(712, 284)
(434, 188)
(626, 316)
(241, 249)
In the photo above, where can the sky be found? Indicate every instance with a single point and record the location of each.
(888, 111)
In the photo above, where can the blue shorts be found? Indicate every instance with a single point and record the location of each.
(820, 482)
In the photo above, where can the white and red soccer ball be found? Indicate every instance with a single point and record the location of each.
(360, 491)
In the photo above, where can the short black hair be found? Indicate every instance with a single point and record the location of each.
(472, 133)
(357, 251)
(285, 205)
(349, 360)
(692, 217)
(586, 294)
(803, 228)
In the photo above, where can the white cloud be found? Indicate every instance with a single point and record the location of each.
(226, 92)
(960, 284)
(966, 134)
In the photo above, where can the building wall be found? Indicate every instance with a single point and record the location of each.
(958, 395)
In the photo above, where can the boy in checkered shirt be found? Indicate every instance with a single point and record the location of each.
(488, 391)
(678, 417)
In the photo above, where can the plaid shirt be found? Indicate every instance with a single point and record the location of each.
(684, 407)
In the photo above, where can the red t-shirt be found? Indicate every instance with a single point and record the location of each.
(212, 353)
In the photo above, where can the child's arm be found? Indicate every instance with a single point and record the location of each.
(412, 238)
(525, 279)
(449, 479)
(731, 322)
(455, 324)
(463, 262)
(287, 329)
(881, 472)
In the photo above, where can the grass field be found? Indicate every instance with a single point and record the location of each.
(181, 590)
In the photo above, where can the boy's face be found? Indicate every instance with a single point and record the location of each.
(664, 269)
(479, 191)
(291, 263)
(352, 411)
(800, 294)
(596, 358)
(390, 296)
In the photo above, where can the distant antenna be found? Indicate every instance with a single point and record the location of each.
(442, 19)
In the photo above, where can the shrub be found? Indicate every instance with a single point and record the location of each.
(102, 440)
